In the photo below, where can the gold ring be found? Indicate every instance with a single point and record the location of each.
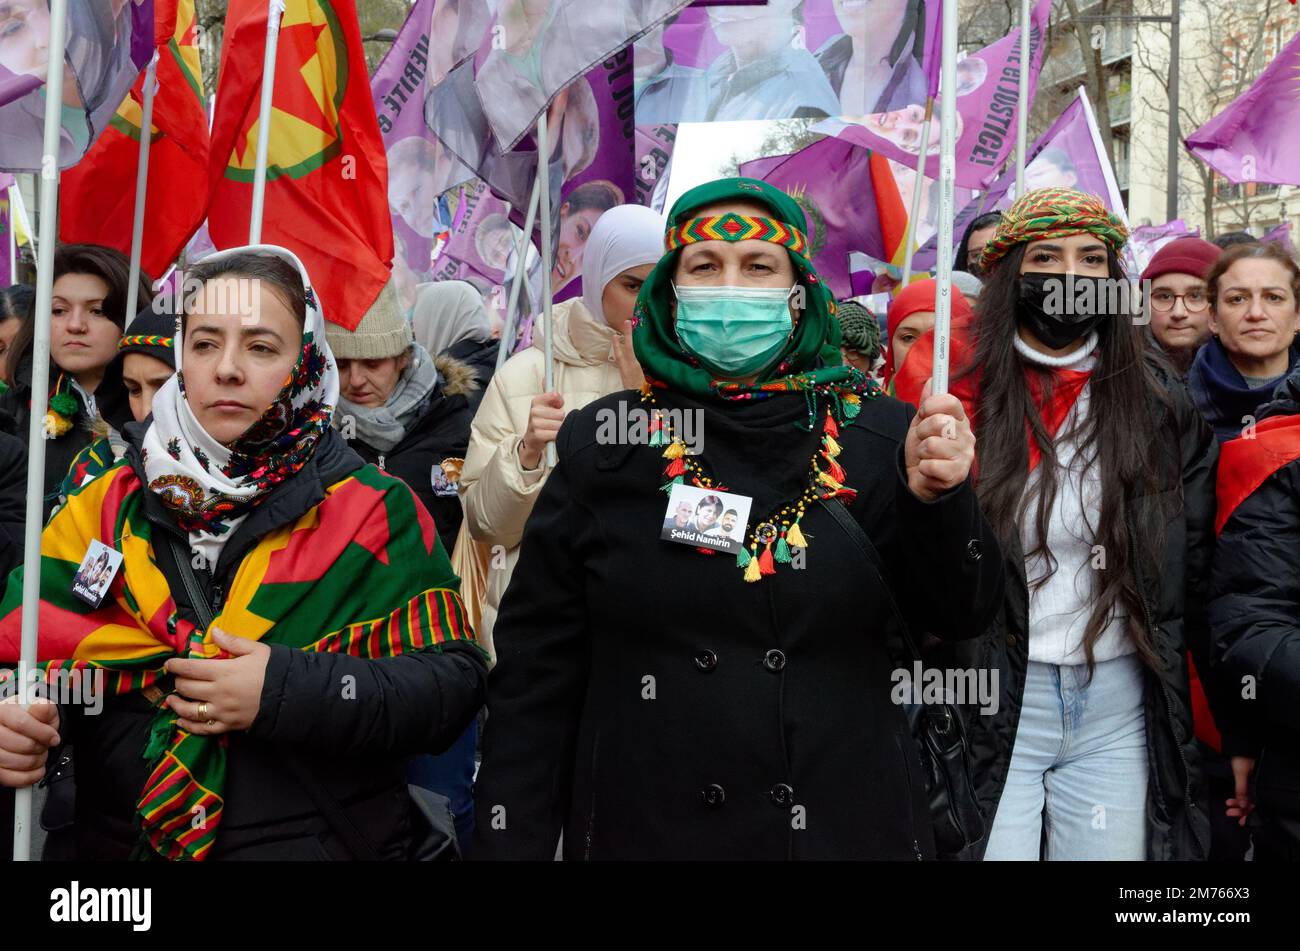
(203, 712)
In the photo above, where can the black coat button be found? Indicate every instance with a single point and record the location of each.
(706, 661)
(782, 796)
(713, 795)
(1011, 640)
(974, 551)
(774, 661)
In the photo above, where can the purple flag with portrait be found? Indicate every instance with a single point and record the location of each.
(1146, 240)
(786, 59)
(987, 96)
(1254, 139)
(1067, 155)
(654, 155)
(108, 43)
(420, 168)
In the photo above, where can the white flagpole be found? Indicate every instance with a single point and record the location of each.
(918, 188)
(27, 672)
(544, 190)
(947, 181)
(13, 234)
(141, 189)
(274, 11)
(521, 270)
(1022, 99)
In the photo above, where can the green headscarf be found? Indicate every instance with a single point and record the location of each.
(811, 357)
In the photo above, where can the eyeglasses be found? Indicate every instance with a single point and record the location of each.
(1194, 301)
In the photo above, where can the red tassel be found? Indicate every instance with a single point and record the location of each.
(847, 494)
(675, 468)
(831, 429)
(765, 564)
(834, 468)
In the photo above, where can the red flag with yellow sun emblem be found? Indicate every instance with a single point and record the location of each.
(98, 200)
(327, 176)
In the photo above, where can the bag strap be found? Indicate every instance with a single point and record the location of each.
(329, 807)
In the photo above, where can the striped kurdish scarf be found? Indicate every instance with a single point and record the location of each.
(299, 586)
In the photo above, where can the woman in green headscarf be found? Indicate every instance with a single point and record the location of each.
(732, 693)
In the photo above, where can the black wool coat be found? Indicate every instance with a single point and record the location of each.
(651, 704)
(1255, 617)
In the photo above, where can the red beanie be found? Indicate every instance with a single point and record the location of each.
(918, 297)
(1193, 256)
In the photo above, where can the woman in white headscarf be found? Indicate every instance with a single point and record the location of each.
(449, 320)
(504, 469)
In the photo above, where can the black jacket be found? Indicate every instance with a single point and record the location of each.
(15, 415)
(653, 705)
(441, 433)
(13, 502)
(1174, 594)
(356, 748)
(1255, 617)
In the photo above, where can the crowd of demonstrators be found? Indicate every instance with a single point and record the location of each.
(290, 489)
(87, 318)
(747, 722)
(291, 567)
(504, 474)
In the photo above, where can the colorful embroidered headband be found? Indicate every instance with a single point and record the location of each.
(1053, 213)
(146, 340)
(733, 227)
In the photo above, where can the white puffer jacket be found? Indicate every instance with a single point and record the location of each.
(498, 494)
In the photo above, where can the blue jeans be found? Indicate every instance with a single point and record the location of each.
(1076, 789)
(451, 774)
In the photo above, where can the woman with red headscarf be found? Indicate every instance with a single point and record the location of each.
(911, 316)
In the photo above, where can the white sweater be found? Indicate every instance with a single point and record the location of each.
(1059, 610)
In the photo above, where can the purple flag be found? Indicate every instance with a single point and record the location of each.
(835, 183)
(1066, 156)
(654, 153)
(108, 43)
(987, 95)
(785, 59)
(1254, 139)
(535, 48)
(1280, 235)
(420, 168)
(1146, 240)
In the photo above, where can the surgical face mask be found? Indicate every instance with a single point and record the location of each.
(734, 331)
(1044, 309)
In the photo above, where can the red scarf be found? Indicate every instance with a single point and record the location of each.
(910, 379)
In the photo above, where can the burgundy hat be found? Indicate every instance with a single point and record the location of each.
(1193, 256)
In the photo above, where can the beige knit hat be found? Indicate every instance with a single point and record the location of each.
(383, 331)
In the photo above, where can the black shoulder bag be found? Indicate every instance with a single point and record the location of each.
(433, 828)
(938, 730)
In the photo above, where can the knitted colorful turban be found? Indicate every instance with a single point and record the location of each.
(1053, 213)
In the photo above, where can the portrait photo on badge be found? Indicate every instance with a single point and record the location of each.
(706, 518)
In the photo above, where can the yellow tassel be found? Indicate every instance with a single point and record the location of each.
(852, 398)
(825, 479)
(752, 571)
(676, 449)
(56, 425)
(832, 447)
(794, 536)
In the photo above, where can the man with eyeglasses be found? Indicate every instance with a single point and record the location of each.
(1174, 283)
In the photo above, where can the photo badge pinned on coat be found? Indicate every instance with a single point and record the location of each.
(706, 518)
(446, 476)
(96, 573)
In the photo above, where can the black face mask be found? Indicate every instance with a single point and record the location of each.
(1064, 322)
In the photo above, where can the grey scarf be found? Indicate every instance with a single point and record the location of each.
(383, 427)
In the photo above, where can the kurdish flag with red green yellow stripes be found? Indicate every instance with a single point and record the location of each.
(361, 573)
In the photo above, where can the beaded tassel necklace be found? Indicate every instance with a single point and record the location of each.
(779, 532)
